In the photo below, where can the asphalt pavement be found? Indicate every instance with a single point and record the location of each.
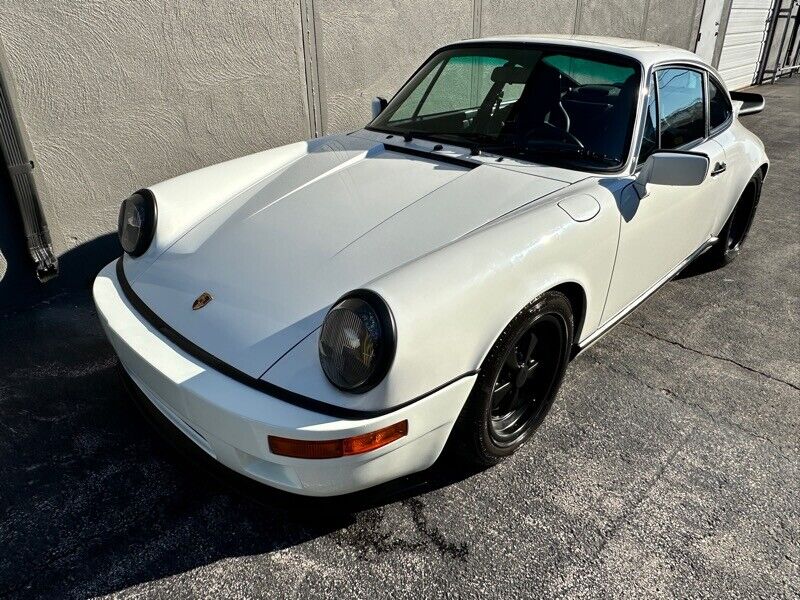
(668, 466)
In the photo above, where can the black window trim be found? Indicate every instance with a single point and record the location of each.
(710, 134)
(706, 106)
(631, 148)
(727, 122)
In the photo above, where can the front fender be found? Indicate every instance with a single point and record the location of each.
(452, 304)
(451, 307)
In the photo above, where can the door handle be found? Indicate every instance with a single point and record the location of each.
(720, 167)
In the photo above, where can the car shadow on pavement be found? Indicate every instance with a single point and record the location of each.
(19, 288)
(94, 499)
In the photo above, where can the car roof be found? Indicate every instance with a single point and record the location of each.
(648, 53)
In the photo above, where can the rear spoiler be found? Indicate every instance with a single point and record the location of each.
(748, 102)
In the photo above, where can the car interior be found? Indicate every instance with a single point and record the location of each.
(539, 105)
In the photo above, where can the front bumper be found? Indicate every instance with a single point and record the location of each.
(231, 421)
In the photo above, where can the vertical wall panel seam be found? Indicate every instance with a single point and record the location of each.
(577, 23)
(311, 68)
(319, 71)
(477, 9)
(643, 30)
(691, 44)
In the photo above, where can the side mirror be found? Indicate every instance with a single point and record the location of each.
(378, 104)
(672, 168)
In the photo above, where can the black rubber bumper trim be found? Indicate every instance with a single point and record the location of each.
(266, 387)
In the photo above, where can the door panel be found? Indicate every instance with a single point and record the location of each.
(658, 232)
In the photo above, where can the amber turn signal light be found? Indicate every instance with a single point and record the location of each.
(336, 448)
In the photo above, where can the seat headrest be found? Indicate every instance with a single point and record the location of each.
(509, 74)
(594, 93)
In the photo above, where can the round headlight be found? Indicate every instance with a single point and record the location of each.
(137, 222)
(357, 342)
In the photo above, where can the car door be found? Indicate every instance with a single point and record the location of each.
(661, 230)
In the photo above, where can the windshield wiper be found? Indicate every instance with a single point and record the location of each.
(525, 152)
(410, 135)
(584, 153)
(479, 143)
(413, 134)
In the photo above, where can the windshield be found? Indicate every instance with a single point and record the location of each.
(559, 106)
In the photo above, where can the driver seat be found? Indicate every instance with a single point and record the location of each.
(599, 114)
(539, 104)
(589, 108)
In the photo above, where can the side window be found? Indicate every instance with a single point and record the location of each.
(719, 109)
(650, 132)
(681, 110)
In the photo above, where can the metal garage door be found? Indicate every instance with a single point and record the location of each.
(744, 38)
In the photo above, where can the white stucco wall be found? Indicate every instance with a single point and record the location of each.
(115, 95)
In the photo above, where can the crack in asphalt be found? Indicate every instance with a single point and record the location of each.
(709, 355)
(716, 419)
(659, 473)
(365, 535)
(624, 517)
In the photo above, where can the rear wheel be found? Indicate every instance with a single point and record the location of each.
(518, 381)
(736, 228)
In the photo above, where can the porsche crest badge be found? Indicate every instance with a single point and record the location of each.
(201, 301)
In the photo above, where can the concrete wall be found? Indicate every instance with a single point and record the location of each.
(116, 95)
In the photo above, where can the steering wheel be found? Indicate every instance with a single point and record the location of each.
(550, 133)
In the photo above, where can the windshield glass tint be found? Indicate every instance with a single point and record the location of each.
(537, 104)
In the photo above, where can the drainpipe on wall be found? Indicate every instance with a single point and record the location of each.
(20, 169)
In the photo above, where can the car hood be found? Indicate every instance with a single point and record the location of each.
(275, 257)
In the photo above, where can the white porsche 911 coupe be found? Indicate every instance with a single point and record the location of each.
(326, 316)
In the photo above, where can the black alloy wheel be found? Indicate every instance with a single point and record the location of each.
(736, 228)
(525, 379)
(517, 382)
(741, 220)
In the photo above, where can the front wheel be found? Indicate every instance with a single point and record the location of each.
(518, 381)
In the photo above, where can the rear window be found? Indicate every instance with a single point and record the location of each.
(584, 71)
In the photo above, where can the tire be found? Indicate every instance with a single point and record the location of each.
(734, 233)
(509, 401)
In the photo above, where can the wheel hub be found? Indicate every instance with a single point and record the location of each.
(525, 380)
(522, 377)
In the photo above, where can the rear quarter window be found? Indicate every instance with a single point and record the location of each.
(719, 109)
